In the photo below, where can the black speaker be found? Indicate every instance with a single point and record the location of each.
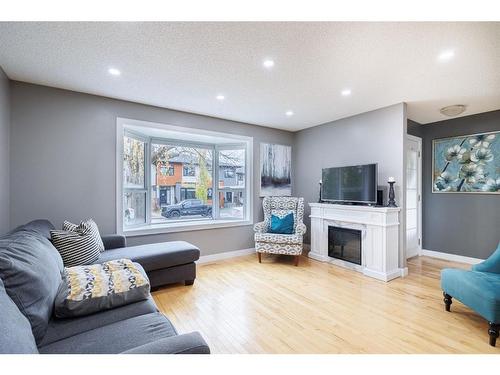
(380, 197)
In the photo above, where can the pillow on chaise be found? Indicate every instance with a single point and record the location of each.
(88, 226)
(79, 246)
(89, 289)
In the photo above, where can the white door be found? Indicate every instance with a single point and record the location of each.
(413, 196)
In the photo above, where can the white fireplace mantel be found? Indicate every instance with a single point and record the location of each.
(379, 228)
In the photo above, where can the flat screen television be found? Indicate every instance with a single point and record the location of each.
(353, 184)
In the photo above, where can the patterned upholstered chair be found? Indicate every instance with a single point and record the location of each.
(272, 243)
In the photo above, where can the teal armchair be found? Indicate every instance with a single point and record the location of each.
(478, 288)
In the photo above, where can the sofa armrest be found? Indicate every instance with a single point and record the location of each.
(114, 241)
(301, 229)
(261, 227)
(189, 343)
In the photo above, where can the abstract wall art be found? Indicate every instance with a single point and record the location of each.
(275, 170)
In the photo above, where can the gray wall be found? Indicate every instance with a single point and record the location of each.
(462, 224)
(4, 153)
(372, 137)
(63, 160)
(414, 128)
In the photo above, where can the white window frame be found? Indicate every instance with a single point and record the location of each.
(180, 226)
(147, 173)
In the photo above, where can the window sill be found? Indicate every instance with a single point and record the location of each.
(184, 227)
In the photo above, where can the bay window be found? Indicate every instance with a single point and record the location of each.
(178, 179)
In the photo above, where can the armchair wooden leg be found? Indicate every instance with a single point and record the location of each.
(297, 260)
(259, 256)
(447, 301)
(493, 331)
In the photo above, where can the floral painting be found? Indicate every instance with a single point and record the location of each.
(467, 164)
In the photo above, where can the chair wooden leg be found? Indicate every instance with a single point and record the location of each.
(493, 331)
(447, 301)
(297, 260)
(259, 256)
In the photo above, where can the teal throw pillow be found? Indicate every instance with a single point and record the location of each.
(282, 225)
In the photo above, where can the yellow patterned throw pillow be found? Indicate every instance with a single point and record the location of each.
(92, 288)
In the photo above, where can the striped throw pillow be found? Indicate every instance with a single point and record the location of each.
(78, 245)
(88, 227)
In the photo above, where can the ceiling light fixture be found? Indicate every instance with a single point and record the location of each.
(289, 113)
(114, 72)
(446, 55)
(268, 64)
(453, 110)
(346, 92)
(220, 97)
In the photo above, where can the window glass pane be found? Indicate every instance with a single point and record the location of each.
(412, 158)
(231, 204)
(411, 178)
(231, 183)
(134, 208)
(133, 163)
(181, 183)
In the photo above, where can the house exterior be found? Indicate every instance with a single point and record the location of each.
(176, 180)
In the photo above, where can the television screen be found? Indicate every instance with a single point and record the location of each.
(350, 184)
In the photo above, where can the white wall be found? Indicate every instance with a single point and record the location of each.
(372, 137)
(4, 153)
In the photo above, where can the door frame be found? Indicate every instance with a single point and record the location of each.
(419, 189)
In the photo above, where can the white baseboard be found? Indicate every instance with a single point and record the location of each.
(228, 254)
(450, 257)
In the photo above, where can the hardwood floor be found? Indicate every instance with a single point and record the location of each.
(241, 306)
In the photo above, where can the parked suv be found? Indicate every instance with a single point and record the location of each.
(187, 207)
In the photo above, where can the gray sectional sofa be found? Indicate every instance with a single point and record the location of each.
(30, 274)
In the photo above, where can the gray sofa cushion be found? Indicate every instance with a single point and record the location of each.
(15, 330)
(41, 226)
(155, 256)
(115, 338)
(59, 329)
(30, 268)
(189, 343)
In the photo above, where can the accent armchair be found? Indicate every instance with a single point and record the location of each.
(274, 243)
(479, 289)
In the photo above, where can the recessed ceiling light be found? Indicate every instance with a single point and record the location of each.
(289, 113)
(114, 72)
(453, 110)
(346, 92)
(220, 97)
(268, 64)
(446, 55)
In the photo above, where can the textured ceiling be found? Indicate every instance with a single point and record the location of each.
(185, 65)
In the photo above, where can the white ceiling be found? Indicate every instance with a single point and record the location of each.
(185, 65)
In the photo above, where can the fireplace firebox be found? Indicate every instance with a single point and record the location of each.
(345, 244)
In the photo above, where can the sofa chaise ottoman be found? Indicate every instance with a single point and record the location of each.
(30, 274)
(164, 263)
